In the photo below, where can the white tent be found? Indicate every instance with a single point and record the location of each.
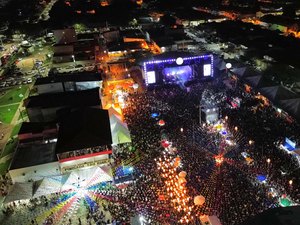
(20, 191)
(113, 111)
(86, 177)
(119, 130)
(48, 185)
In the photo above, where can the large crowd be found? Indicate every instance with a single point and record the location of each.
(231, 189)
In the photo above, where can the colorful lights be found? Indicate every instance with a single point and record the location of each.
(219, 159)
(179, 61)
(175, 187)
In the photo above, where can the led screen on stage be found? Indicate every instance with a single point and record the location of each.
(178, 70)
(178, 73)
(206, 70)
(151, 77)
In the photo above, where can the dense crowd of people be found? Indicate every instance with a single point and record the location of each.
(231, 190)
(230, 187)
(5, 183)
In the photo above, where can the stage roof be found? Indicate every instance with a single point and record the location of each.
(84, 128)
(76, 77)
(171, 55)
(73, 98)
(33, 154)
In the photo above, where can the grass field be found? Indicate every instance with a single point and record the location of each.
(12, 96)
(10, 147)
(4, 167)
(7, 113)
(16, 129)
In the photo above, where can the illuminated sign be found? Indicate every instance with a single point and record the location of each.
(151, 77)
(157, 71)
(207, 70)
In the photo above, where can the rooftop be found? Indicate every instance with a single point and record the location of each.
(75, 98)
(194, 15)
(124, 46)
(76, 77)
(132, 33)
(33, 154)
(28, 127)
(84, 128)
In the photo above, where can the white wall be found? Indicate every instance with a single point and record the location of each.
(35, 172)
(50, 88)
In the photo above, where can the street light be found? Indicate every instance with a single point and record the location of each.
(74, 61)
(268, 161)
(235, 128)
(291, 182)
(250, 142)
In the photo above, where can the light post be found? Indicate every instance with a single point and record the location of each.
(74, 61)
(228, 67)
(268, 161)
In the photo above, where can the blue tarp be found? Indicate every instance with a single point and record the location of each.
(261, 177)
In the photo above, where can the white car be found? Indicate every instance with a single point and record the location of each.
(29, 80)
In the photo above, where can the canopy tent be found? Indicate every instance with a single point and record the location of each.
(296, 87)
(277, 93)
(84, 178)
(119, 130)
(258, 81)
(249, 72)
(292, 106)
(47, 185)
(239, 71)
(219, 63)
(113, 111)
(243, 72)
(20, 191)
(285, 202)
(253, 81)
(261, 177)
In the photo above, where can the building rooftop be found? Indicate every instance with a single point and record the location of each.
(76, 77)
(122, 46)
(132, 33)
(84, 128)
(194, 15)
(33, 154)
(36, 127)
(281, 20)
(74, 98)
